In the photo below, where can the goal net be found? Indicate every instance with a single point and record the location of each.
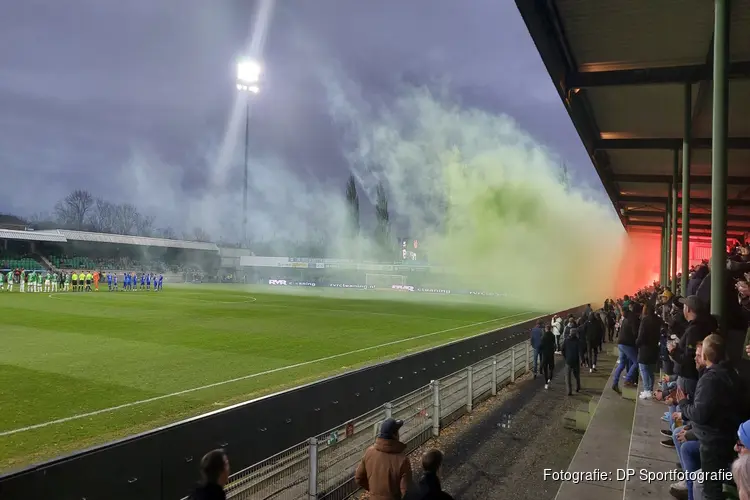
(384, 280)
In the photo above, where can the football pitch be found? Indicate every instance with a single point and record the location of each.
(81, 369)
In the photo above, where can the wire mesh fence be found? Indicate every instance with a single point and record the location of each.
(324, 466)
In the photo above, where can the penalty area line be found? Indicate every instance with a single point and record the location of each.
(255, 375)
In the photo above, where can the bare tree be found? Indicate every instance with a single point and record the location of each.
(72, 210)
(167, 232)
(102, 217)
(352, 200)
(198, 234)
(565, 176)
(125, 218)
(383, 228)
(144, 225)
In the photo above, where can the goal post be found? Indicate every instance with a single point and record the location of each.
(384, 280)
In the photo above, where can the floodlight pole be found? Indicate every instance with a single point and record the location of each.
(244, 196)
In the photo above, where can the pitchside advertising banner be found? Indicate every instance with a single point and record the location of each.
(410, 288)
(308, 283)
(299, 263)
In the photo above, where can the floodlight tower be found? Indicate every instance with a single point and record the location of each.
(248, 82)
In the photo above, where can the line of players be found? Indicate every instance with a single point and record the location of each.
(33, 281)
(130, 281)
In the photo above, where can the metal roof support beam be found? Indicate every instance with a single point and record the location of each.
(693, 228)
(687, 129)
(648, 76)
(668, 143)
(699, 217)
(732, 233)
(660, 200)
(693, 179)
(719, 164)
(667, 242)
(662, 250)
(675, 204)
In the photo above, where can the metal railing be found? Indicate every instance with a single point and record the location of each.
(323, 467)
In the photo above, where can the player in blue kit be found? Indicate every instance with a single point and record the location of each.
(161, 279)
(148, 282)
(114, 282)
(126, 281)
(109, 281)
(143, 281)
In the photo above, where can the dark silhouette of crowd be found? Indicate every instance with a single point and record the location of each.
(704, 381)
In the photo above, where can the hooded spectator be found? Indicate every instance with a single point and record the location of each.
(648, 349)
(536, 343)
(215, 472)
(743, 438)
(548, 355)
(716, 412)
(385, 471)
(428, 487)
(571, 353)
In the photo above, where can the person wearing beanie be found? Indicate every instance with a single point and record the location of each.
(743, 439)
(385, 471)
(571, 352)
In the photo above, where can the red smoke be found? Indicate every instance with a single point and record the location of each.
(641, 260)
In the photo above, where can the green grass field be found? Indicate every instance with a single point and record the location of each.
(143, 359)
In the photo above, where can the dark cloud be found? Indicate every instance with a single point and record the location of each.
(85, 83)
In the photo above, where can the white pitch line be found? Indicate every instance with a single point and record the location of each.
(252, 375)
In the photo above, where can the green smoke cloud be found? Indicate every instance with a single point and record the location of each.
(485, 197)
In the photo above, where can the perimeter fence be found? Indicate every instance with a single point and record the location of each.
(323, 466)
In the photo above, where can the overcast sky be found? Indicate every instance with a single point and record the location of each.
(86, 83)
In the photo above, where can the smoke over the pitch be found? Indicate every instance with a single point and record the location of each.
(484, 199)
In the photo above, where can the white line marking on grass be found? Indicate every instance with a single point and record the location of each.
(248, 301)
(255, 375)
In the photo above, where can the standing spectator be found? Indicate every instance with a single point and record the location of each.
(593, 334)
(648, 349)
(557, 330)
(536, 344)
(716, 412)
(385, 470)
(215, 472)
(428, 487)
(628, 354)
(741, 476)
(700, 324)
(571, 353)
(548, 355)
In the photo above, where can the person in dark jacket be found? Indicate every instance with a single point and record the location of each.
(593, 333)
(215, 472)
(695, 280)
(428, 487)
(628, 354)
(700, 324)
(536, 344)
(648, 348)
(548, 355)
(571, 353)
(715, 412)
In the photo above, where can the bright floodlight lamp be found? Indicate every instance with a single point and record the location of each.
(248, 76)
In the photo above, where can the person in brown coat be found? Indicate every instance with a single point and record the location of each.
(385, 470)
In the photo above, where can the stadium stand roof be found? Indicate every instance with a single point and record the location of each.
(623, 78)
(67, 235)
(12, 234)
(71, 235)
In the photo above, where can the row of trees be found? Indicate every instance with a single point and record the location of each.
(80, 210)
(382, 215)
